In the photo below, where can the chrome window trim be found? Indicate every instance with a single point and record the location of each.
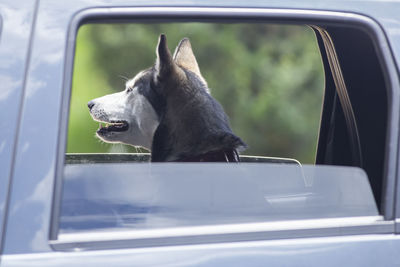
(129, 238)
(347, 226)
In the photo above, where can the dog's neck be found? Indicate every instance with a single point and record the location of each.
(213, 156)
(208, 150)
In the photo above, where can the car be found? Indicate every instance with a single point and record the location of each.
(63, 209)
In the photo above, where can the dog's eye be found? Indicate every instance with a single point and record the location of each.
(129, 90)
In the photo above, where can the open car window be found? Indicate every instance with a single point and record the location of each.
(267, 77)
(273, 81)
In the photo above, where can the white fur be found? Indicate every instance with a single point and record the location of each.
(131, 107)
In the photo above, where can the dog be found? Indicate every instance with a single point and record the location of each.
(168, 110)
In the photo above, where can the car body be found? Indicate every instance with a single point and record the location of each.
(36, 47)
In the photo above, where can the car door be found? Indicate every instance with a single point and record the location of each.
(39, 232)
(16, 25)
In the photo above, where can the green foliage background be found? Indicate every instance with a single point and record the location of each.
(268, 78)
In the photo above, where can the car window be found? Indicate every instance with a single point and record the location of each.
(268, 79)
(272, 81)
(142, 196)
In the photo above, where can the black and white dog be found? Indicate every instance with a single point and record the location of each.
(169, 110)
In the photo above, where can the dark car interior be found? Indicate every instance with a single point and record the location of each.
(356, 138)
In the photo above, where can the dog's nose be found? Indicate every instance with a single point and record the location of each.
(90, 104)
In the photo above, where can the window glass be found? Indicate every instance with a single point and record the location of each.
(166, 195)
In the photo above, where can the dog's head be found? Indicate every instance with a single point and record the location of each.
(133, 115)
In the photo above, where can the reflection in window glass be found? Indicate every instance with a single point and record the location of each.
(150, 196)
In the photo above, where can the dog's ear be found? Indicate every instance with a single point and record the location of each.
(164, 63)
(184, 57)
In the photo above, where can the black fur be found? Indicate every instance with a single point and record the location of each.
(192, 122)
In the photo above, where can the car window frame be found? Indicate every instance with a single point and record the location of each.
(321, 227)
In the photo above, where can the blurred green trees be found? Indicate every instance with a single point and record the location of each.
(269, 79)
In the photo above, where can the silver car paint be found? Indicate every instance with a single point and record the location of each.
(26, 240)
(16, 24)
(375, 250)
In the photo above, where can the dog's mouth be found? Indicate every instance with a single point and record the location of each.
(113, 126)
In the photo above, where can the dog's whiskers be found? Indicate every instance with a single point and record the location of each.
(124, 78)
